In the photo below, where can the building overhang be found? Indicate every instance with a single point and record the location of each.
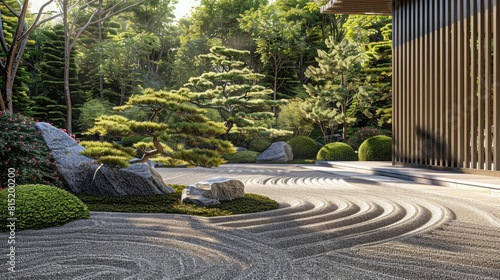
(366, 7)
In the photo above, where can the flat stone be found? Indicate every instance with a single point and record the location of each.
(278, 152)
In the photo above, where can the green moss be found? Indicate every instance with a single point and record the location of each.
(303, 147)
(170, 203)
(41, 206)
(337, 151)
(242, 157)
(259, 145)
(376, 148)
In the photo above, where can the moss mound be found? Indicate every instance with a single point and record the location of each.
(303, 147)
(242, 157)
(41, 206)
(337, 151)
(259, 145)
(170, 203)
(376, 148)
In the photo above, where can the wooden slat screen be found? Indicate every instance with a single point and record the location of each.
(446, 84)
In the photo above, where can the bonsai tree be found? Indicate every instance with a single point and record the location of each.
(231, 89)
(175, 131)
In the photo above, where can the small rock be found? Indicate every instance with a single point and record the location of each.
(279, 152)
(212, 191)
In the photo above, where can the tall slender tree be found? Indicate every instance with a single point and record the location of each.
(13, 43)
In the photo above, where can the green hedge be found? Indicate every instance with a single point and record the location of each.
(41, 206)
(376, 148)
(337, 151)
(303, 147)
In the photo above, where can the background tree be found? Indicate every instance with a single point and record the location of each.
(94, 11)
(231, 89)
(338, 91)
(49, 99)
(14, 35)
(183, 134)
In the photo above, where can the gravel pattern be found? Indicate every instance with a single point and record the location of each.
(329, 226)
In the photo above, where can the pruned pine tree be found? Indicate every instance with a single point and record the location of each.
(185, 134)
(337, 91)
(231, 89)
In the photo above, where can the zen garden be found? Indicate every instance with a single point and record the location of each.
(98, 94)
(249, 139)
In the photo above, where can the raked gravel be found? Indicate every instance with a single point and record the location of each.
(330, 225)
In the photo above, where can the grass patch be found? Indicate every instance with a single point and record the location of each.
(171, 203)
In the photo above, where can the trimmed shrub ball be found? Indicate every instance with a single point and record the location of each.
(376, 148)
(337, 151)
(41, 206)
(303, 147)
(259, 145)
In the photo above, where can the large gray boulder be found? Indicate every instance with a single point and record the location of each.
(212, 191)
(85, 175)
(278, 152)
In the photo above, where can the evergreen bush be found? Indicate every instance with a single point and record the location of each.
(41, 206)
(337, 151)
(376, 148)
(23, 149)
(303, 147)
(259, 145)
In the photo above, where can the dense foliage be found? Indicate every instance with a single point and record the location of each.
(42, 206)
(303, 147)
(22, 148)
(241, 60)
(376, 148)
(337, 151)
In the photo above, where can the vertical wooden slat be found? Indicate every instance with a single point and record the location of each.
(437, 78)
(473, 85)
(411, 91)
(487, 84)
(447, 84)
(481, 87)
(455, 116)
(496, 83)
(427, 75)
(466, 83)
(442, 84)
(460, 58)
(406, 89)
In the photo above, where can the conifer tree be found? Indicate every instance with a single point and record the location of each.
(231, 89)
(337, 91)
(50, 101)
(184, 134)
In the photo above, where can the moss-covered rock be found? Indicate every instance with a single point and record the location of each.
(337, 151)
(303, 147)
(40, 206)
(377, 148)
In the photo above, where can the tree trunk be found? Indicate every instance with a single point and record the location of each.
(67, 92)
(101, 76)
